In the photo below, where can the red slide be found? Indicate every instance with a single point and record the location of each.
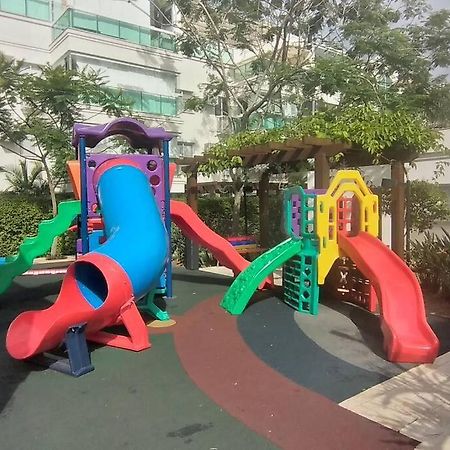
(194, 228)
(407, 335)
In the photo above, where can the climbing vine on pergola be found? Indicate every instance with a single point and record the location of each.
(353, 136)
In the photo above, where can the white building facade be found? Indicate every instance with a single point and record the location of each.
(136, 54)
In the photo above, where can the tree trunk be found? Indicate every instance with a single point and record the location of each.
(398, 208)
(264, 209)
(51, 189)
(235, 224)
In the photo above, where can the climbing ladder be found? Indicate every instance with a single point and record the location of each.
(301, 291)
(300, 288)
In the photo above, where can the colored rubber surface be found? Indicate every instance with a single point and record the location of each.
(194, 228)
(243, 287)
(100, 283)
(33, 247)
(407, 335)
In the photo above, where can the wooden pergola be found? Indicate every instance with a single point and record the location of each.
(288, 153)
(292, 152)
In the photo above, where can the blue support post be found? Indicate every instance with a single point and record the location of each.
(84, 211)
(167, 219)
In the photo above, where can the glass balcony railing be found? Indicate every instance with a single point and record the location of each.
(268, 123)
(36, 9)
(113, 28)
(151, 103)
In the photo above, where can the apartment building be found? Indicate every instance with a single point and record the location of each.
(132, 43)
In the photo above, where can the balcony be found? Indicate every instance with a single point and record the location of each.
(113, 28)
(35, 9)
(151, 103)
(267, 123)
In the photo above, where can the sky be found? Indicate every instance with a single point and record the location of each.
(438, 4)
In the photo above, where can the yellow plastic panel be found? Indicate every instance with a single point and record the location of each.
(326, 216)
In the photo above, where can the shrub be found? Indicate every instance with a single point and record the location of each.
(429, 205)
(67, 244)
(19, 218)
(216, 213)
(430, 259)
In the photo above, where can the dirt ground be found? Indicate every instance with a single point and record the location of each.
(436, 304)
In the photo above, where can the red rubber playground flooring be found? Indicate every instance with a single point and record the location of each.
(267, 379)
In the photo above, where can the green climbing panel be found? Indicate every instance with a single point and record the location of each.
(247, 282)
(32, 247)
(300, 288)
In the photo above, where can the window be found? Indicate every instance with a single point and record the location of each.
(161, 14)
(185, 149)
(14, 6)
(151, 103)
(84, 21)
(38, 9)
(129, 32)
(70, 63)
(221, 107)
(109, 27)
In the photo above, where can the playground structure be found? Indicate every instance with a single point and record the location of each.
(124, 220)
(324, 226)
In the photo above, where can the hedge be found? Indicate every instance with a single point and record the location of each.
(216, 212)
(20, 216)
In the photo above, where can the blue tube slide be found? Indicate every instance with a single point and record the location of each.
(136, 236)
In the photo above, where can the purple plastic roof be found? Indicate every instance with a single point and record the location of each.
(137, 134)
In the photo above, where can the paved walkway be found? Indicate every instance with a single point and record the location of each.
(416, 403)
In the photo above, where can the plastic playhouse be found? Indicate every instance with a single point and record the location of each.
(123, 216)
(324, 226)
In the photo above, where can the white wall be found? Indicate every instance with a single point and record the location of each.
(131, 77)
(25, 38)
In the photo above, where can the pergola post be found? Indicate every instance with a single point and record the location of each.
(321, 170)
(398, 209)
(264, 210)
(191, 257)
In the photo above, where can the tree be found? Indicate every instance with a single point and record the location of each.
(21, 181)
(428, 205)
(269, 57)
(263, 55)
(39, 108)
(391, 55)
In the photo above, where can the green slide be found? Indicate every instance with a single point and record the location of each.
(32, 247)
(246, 283)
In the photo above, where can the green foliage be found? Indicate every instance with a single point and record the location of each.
(389, 57)
(428, 205)
(67, 244)
(23, 181)
(216, 213)
(431, 262)
(46, 104)
(19, 218)
(385, 135)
